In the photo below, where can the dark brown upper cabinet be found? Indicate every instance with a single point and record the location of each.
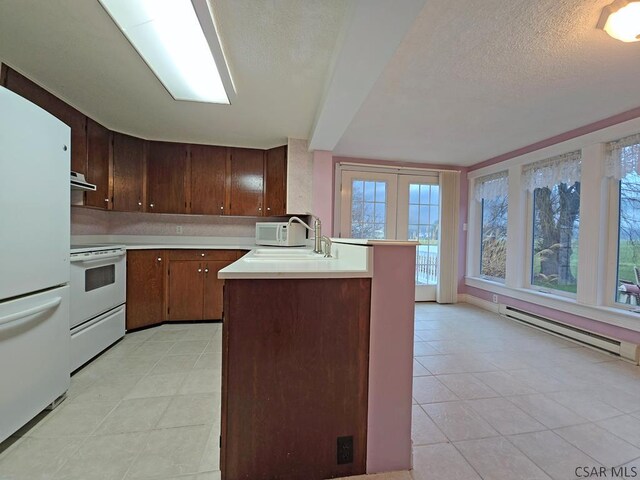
(24, 87)
(246, 181)
(128, 173)
(167, 177)
(98, 165)
(208, 179)
(275, 178)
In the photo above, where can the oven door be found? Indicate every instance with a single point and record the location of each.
(98, 284)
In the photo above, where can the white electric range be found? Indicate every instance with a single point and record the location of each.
(97, 299)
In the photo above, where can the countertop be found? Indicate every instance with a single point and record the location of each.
(348, 261)
(351, 258)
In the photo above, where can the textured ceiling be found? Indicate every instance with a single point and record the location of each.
(474, 79)
(279, 53)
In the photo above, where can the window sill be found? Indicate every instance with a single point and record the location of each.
(611, 315)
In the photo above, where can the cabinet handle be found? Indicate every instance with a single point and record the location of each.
(259, 209)
(199, 270)
(202, 254)
(268, 209)
(221, 208)
(139, 204)
(106, 199)
(159, 259)
(206, 270)
(151, 205)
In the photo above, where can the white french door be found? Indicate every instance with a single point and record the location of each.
(399, 207)
(419, 220)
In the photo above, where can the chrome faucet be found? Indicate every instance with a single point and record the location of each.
(317, 232)
(327, 243)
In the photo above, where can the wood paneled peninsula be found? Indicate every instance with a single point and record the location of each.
(317, 362)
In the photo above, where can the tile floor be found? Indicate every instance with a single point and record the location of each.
(149, 407)
(493, 400)
(496, 400)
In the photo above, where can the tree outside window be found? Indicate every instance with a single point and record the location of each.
(493, 256)
(556, 221)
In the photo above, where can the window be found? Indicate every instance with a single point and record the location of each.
(623, 164)
(493, 244)
(556, 220)
(555, 187)
(629, 240)
(368, 209)
(424, 212)
(492, 191)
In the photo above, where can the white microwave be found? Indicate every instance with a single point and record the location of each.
(280, 234)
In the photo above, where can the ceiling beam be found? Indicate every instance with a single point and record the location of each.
(371, 36)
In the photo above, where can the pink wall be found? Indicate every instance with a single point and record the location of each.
(323, 187)
(391, 359)
(564, 317)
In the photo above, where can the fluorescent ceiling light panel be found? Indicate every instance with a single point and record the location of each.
(179, 42)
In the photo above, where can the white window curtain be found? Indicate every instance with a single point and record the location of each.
(623, 157)
(564, 168)
(447, 290)
(492, 186)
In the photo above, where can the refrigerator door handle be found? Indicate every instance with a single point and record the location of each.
(12, 317)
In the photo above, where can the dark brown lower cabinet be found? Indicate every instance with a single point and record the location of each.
(294, 378)
(186, 280)
(195, 292)
(146, 274)
(175, 285)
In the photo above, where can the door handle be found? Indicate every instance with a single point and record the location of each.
(12, 317)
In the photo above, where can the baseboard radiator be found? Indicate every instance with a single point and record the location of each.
(625, 350)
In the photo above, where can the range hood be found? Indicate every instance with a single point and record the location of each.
(78, 182)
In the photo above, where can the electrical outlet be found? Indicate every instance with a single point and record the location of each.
(345, 450)
(179, 229)
(495, 298)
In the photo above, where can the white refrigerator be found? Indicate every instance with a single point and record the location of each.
(35, 152)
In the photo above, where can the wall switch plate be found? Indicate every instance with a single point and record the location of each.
(179, 229)
(495, 298)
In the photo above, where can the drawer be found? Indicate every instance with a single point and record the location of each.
(202, 254)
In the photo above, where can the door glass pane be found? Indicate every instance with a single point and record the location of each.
(424, 200)
(368, 209)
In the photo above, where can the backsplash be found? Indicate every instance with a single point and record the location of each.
(86, 221)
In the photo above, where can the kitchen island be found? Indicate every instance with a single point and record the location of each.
(317, 362)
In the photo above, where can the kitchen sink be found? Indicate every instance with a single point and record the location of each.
(283, 255)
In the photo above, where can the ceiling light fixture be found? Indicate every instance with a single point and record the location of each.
(621, 20)
(179, 42)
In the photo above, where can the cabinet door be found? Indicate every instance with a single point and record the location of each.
(208, 179)
(98, 162)
(213, 289)
(246, 172)
(21, 85)
(146, 276)
(186, 280)
(128, 173)
(166, 175)
(275, 189)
